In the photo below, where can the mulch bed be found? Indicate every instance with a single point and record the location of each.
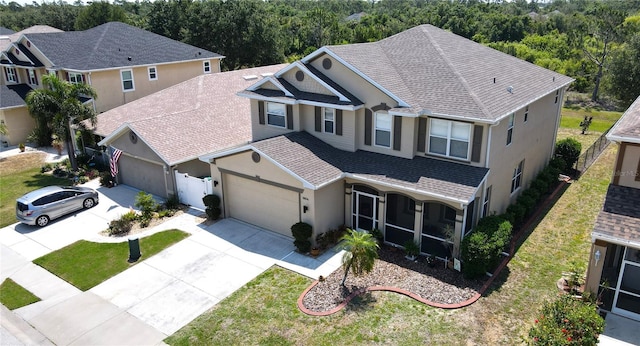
(437, 284)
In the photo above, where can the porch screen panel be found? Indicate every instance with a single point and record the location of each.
(400, 219)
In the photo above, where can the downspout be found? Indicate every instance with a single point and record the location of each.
(558, 116)
(486, 161)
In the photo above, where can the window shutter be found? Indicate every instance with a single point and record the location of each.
(318, 119)
(476, 150)
(261, 112)
(397, 133)
(35, 75)
(368, 124)
(68, 79)
(6, 74)
(83, 80)
(290, 117)
(422, 135)
(339, 122)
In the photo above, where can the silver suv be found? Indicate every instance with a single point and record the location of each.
(40, 206)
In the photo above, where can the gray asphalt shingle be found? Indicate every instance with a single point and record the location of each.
(13, 95)
(628, 126)
(620, 215)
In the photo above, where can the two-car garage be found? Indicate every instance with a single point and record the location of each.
(261, 203)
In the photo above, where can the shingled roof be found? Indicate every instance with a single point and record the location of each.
(4, 43)
(627, 129)
(193, 118)
(437, 72)
(619, 220)
(318, 164)
(113, 45)
(13, 95)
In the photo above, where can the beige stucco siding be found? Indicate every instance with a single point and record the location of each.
(19, 124)
(532, 141)
(138, 149)
(242, 163)
(344, 142)
(307, 84)
(195, 168)
(326, 207)
(262, 131)
(626, 172)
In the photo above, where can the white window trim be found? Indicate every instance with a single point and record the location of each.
(33, 79)
(448, 138)
(375, 130)
(12, 72)
(324, 120)
(511, 122)
(122, 80)
(75, 76)
(155, 72)
(266, 112)
(486, 202)
(206, 65)
(517, 173)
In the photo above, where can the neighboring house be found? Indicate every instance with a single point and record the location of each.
(121, 62)
(418, 132)
(162, 135)
(614, 264)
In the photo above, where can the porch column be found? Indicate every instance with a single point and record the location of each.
(594, 272)
(347, 206)
(458, 233)
(381, 219)
(417, 223)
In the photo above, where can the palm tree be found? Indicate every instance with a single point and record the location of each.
(361, 253)
(57, 108)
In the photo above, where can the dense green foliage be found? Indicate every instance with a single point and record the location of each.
(361, 251)
(302, 232)
(568, 150)
(567, 321)
(587, 39)
(481, 250)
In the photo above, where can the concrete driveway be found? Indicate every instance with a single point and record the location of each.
(151, 300)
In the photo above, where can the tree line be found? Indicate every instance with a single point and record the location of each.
(597, 42)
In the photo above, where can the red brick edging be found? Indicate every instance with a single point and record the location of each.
(467, 302)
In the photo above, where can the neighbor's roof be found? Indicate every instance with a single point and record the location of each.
(627, 129)
(110, 45)
(193, 118)
(318, 164)
(14, 36)
(619, 220)
(5, 32)
(433, 71)
(14, 95)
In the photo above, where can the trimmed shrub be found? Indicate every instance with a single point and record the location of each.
(558, 164)
(533, 194)
(172, 202)
(147, 206)
(541, 185)
(302, 231)
(481, 249)
(518, 211)
(568, 150)
(120, 226)
(567, 321)
(213, 206)
(106, 179)
(47, 167)
(528, 203)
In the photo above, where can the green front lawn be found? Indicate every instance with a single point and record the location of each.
(602, 120)
(18, 175)
(14, 296)
(264, 312)
(86, 264)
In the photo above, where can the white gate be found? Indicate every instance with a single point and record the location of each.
(192, 189)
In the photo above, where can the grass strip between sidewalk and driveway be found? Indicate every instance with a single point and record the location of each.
(85, 264)
(14, 296)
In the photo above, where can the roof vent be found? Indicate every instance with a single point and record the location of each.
(494, 80)
(129, 58)
(554, 78)
(250, 77)
(510, 89)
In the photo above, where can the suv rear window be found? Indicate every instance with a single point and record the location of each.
(22, 206)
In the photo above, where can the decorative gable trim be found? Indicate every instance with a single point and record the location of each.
(325, 50)
(273, 81)
(306, 71)
(124, 128)
(381, 107)
(24, 38)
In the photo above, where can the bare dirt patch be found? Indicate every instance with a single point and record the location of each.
(17, 163)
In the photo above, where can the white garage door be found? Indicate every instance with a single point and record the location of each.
(260, 204)
(143, 175)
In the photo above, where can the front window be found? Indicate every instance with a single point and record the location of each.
(510, 128)
(526, 114)
(11, 74)
(516, 180)
(153, 73)
(485, 203)
(33, 80)
(276, 114)
(449, 138)
(75, 78)
(206, 65)
(383, 129)
(127, 80)
(329, 120)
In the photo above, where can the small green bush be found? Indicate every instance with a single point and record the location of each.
(558, 164)
(302, 231)
(147, 206)
(129, 216)
(528, 203)
(518, 211)
(411, 248)
(567, 321)
(120, 226)
(47, 167)
(568, 150)
(172, 202)
(540, 185)
(106, 179)
(481, 250)
(533, 194)
(303, 246)
(213, 206)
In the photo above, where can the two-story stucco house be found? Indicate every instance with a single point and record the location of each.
(121, 62)
(411, 134)
(614, 264)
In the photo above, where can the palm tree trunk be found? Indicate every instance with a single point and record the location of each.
(71, 150)
(346, 272)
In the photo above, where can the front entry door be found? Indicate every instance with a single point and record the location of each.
(627, 298)
(365, 211)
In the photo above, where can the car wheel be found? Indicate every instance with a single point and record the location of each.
(42, 220)
(88, 203)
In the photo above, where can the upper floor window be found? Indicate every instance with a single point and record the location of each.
(75, 78)
(11, 74)
(526, 114)
(329, 120)
(557, 95)
(510, 128)
(276, 114)
(33, 80)
(127, 80)
(206, 65)
(153, 73)
(516, 180)
(485, 202)
(383, 129)
(449, 138)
